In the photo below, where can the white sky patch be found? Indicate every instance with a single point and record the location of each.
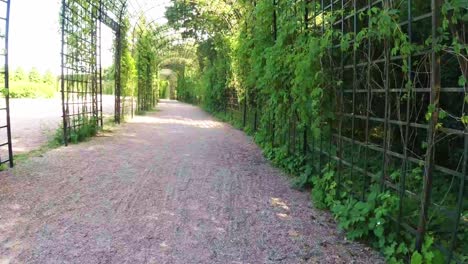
(35, 36)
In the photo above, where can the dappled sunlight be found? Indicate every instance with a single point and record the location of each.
(128, 135)
(174, 120)
(277, 202)
(281, 205)
(283, 216)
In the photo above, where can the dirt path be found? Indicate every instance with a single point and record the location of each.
(174, 186)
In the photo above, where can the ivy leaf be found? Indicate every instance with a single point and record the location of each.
(430, 110)
(462, 81)
(459, 3)
(416, 258)
(464, 120)
(465, 17)
(424, 145)
(442, 114)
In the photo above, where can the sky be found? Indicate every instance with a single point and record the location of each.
(35, 36)
(35, 32)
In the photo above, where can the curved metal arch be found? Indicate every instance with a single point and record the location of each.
(236, 13)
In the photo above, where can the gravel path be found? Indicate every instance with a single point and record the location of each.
(174, 186)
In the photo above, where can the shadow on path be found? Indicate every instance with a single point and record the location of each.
(175, 186)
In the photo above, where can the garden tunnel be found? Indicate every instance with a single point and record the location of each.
(378, 131)
(81, 84)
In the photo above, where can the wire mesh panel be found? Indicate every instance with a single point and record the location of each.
(399, 118)
(6, 151)
(79, 67)
(81, 81)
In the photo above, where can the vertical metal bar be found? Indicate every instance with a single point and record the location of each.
(65, 125)
(461, 194)
(255, 118)
(322, 6)
(244, 114)
(330, 123)
(464, 176)
(321, 152)
(404, 166)
(387, 110)
(315, 13)
(117, 75)
(275, 26)
(353, 107)
(95, 69)
(435, 95)
(341, 107)
(368, 107)
(312, 153)
(7, 85)
(100, 63)
(321, 128)
(306, 27)
(133, 99)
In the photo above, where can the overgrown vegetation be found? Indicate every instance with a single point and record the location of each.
(313, 85)
(32, 85)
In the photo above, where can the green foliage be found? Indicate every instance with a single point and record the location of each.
(305, 178)
(286, 72)
(163, 89)
(146, 70)
(368, 218)
(89, 128)
(19, 75)
(26, 89)
(108, 87)
(127, 63)
(324, 192)
(49, 78)
(34, 76)
(108, 81)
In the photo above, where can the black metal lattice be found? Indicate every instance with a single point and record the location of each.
(380, 132)
(5, 127)
(81, 78)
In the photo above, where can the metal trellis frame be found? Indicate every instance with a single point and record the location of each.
(5, 125)
(388, 133)
(81, 78)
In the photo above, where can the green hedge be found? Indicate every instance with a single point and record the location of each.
(25, 89)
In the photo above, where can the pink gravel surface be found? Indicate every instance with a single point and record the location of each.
(175, 186)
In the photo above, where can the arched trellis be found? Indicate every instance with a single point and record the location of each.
(165, 42)
(81, 85)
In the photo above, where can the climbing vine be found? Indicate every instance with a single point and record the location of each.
(146, 68)
(293, 72)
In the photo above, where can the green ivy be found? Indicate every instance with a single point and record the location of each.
(285, 74)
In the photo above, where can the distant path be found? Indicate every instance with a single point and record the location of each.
(174, 186)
